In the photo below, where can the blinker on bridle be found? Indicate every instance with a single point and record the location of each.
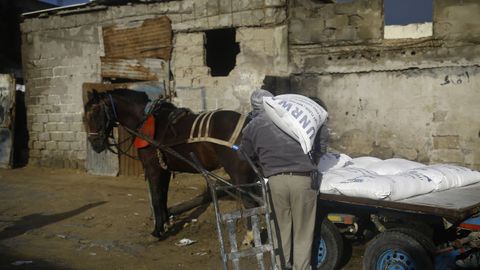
(112, 121)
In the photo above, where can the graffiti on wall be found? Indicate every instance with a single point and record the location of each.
(463, 77)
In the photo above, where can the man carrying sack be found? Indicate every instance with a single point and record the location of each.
(289, 171)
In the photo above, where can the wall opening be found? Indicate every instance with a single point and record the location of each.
(408, 18)
(221, 49)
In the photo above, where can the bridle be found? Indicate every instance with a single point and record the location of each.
(106, 132)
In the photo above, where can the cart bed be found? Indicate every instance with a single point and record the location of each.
(453, 204)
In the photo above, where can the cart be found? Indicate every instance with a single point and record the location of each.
(429, 231)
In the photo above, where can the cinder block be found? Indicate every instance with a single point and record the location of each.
(51, 145)
(38, 145)
(82, 155)
(225, 6)
(56, 136)
(213, 7)
(452, 156)
(76, 126)
(44, 136)
(34, 109)
(55, 117)
(64, 145)
(50, 127)
(40, 118)
(34, 153)
(63, 126)
(68, 136)
(37, 127)
(446, 142)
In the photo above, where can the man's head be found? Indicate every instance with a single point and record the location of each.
(256, 99)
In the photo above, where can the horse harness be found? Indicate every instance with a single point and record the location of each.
(201, 127)
(198, 132)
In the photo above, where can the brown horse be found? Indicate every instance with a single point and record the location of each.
(181, 130)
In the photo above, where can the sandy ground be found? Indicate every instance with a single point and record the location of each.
(65, 219)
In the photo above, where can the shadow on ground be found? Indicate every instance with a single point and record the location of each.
(36, 221)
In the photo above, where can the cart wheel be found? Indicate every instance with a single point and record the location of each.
(327, 249)
(396, 250)
(426, 242)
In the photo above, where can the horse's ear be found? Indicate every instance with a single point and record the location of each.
(93, 95)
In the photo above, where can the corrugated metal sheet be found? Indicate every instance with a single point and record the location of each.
(128, 165)
(148, 69)
(151, 38)
(104, 163)
(7, 117)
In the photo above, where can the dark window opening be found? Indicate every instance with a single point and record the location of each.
(221, 51)
(407, 11)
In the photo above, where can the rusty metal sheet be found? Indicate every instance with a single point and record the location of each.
(154, 89)
(147, 69)
(151, 38)
(7, 117)
(128, 165)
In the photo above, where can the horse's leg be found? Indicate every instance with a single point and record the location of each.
(240, 173)
(158, 181)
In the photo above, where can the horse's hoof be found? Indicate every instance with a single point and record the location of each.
(159, 235)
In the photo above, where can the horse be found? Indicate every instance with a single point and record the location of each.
(207, 135)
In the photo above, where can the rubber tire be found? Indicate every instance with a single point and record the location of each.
(424, 240)
(395, 239)
(334, 245)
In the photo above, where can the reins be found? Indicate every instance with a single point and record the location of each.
(112, 137)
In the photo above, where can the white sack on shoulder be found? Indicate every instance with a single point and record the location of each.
(449, 176)
(393, 166)
(331, 161)
(372, 187)
(297, 115)
(362, 162)
(332, 177)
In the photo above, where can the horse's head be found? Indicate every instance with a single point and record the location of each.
(99, 120)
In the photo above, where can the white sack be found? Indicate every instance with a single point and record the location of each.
(449, 176)
(409, 184)
(298, 116)
(362, 162)
(333, 177)
(372, 187)
(331, 161)
(393, 166)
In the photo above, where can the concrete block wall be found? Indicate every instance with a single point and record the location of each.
(316, 22)
(412, 114)
(56, 63)
(62, 51)
(262, 52)
(462, 13)
(411, 98)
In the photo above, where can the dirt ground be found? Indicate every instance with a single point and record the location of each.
(66, 219)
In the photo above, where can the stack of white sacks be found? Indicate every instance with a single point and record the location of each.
(370, 177)
(391, 179)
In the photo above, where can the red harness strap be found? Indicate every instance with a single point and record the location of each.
(148, 129)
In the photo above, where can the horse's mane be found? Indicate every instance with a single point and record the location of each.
(132, 95)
